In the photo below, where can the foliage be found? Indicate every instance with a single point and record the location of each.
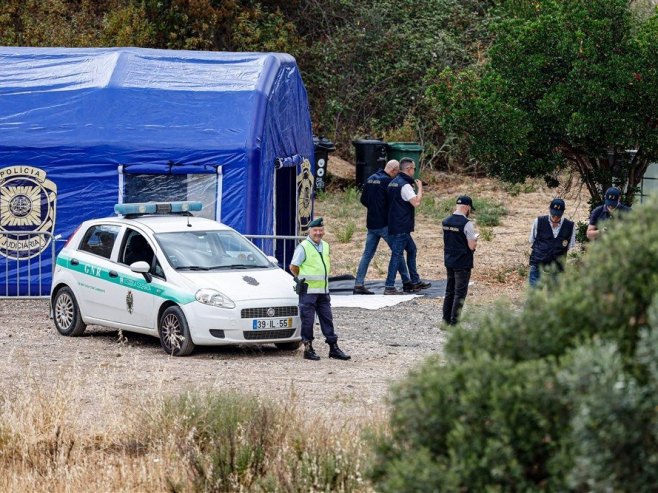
(345, 232)
(363, 63)
(380, 51)
(565, 82)
(544, 398)
(235, 442)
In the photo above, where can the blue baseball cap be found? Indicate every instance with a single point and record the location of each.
(557, 207)
(612, 196)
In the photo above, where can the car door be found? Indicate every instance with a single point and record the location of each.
(137, 298)
(92, 265)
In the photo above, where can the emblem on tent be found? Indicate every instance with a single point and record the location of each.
(27, 211)
(304, 195)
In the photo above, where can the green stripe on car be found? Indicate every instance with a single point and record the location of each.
(132, 282)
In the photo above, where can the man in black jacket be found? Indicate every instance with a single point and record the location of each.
(374, 197)
(612, 208)
(551, 237)
(459, 242)
(402, 202)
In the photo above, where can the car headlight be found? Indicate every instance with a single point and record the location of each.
(213, 297)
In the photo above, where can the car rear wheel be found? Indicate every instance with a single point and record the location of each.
(175, 336)
(68, 320)
(288, 346)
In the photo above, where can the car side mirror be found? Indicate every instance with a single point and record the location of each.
(143, 268)
(273, 259)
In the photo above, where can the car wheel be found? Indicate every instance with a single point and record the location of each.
(288, 346)
(174, 333)
(68, 320)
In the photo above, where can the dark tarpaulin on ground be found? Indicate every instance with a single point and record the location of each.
(343, 285)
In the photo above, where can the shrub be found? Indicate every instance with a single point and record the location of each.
(345, 232)
(235, 442)
(547, 397)
(481, 425)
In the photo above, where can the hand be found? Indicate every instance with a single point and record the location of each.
(301, 287)
(419, 184)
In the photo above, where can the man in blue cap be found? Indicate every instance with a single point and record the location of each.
(459, 242)
(551, 237)
(311, 267)
(608, 210)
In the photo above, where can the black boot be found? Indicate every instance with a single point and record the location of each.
(309, 352)
(337, 353)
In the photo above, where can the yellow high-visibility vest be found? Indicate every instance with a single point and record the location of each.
(316, 267)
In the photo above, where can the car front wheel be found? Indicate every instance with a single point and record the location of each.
(174, 333)
(68, 320)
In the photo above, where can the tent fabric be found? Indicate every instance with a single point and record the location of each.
(79, 114)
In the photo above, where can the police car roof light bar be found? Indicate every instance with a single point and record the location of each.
(143, 208)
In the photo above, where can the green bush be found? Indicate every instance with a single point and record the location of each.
(613, 413)
(548, 397)
(481, 425)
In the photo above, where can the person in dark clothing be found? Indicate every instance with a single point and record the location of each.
(610, 209)
(459, 242)
(374, 197)
(551, 237)
(402, 202)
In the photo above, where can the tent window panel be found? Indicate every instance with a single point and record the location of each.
(167, 188)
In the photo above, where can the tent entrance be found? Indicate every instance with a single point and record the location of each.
(137, 184)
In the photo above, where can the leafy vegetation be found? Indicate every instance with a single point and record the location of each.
(363, 62)
(545, 398)
(565, 82)
(518, 87)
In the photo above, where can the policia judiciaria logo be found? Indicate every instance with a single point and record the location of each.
(27, 205)
(304, 196)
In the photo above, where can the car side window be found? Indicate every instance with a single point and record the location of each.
(99, 240)
(136, 248)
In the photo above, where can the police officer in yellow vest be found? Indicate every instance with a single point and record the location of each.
(311, 266)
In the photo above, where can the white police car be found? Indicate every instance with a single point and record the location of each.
(158, 270)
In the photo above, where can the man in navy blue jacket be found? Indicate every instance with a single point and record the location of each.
(459, 241)
(374, 197)
(402, 202)
(551, 237)
(612, 208)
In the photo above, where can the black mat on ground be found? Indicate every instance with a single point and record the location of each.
(343, 285)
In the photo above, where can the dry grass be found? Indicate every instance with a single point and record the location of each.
(194, 442)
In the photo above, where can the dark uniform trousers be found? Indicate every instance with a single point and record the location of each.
(456, 291)
(309, 305)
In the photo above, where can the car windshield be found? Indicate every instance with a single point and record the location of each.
(211, 250)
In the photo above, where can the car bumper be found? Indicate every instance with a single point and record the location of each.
(212, 326)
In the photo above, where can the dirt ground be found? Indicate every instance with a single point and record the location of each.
(104, 370)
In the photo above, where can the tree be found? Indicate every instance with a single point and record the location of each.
(565, 84)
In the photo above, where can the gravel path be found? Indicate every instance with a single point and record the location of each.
(102, 370)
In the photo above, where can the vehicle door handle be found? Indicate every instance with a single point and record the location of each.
(74, 261)
(114, 273)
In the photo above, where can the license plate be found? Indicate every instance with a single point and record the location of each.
(277, 323)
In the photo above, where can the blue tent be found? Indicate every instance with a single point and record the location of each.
(83, 129)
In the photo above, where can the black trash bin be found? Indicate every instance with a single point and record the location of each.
(370, 156)
(322, 147)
